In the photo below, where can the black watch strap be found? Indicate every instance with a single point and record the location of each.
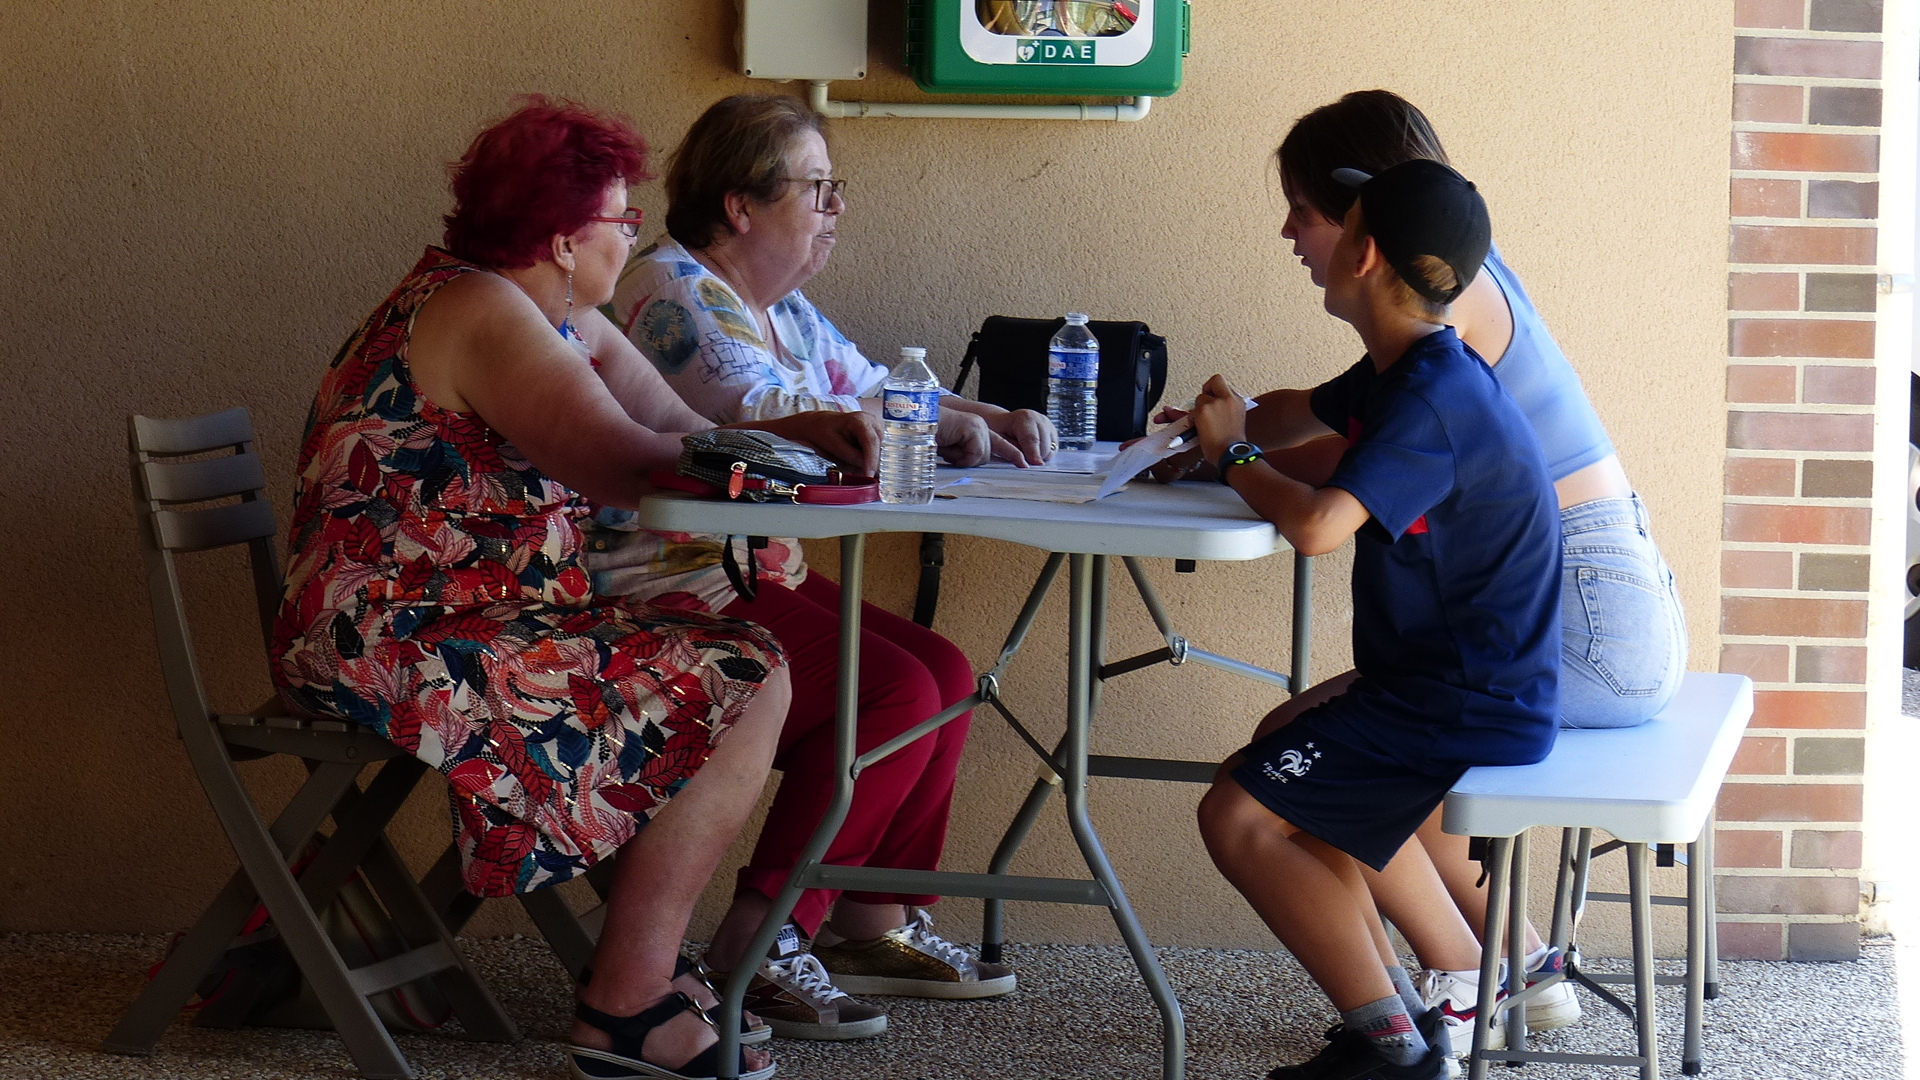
(1240, 453)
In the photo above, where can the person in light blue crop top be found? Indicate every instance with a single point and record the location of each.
(1623, 634)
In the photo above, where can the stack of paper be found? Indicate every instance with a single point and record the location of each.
(1072, 476)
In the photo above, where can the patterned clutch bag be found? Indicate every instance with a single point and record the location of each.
(767, 468)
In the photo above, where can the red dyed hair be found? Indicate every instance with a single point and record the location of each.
(539, 173)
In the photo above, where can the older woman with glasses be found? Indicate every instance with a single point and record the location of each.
(434, 588)
(715, 304)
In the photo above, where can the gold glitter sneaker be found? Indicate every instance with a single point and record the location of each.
(913, 961)
(794, 995)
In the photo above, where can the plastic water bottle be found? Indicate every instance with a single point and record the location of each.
(910, 411)
(1073, 379)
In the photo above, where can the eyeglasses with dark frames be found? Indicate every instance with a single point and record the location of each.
(629, 223)
(825, 189)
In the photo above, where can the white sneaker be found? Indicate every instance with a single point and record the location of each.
(1554, 1006)
(1458, 1001)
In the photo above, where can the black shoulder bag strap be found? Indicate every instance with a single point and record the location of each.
(746, 583)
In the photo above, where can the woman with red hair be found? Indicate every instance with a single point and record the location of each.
(434, 590)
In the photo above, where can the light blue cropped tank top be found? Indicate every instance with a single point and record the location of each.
(1537, 376)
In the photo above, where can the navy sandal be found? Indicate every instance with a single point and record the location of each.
(623, 1061)
(753, 1030)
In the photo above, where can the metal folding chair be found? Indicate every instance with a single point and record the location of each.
(198, 486)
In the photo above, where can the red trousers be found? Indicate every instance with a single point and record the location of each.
(899, 813)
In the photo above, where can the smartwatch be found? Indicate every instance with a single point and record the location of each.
(1240, 453)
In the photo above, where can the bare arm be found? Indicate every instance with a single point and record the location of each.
(633, 380)
(638, 386)
(1284, 419)
(480, 345)
(1313, 520)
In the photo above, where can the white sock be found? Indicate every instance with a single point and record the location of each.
(1536, 956)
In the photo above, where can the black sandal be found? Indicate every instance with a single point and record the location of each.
(753, 1030)
(623, 1061)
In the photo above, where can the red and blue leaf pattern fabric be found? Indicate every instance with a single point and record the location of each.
(434, 593)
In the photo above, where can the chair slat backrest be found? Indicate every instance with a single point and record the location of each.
(192, 434)
(183, 461)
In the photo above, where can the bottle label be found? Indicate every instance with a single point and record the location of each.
(913, 406)
(1078, 365)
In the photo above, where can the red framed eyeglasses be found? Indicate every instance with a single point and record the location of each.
(629, 222)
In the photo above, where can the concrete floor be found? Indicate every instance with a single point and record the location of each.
(1081, 1012)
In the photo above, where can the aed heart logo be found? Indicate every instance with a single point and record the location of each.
(1055, 51)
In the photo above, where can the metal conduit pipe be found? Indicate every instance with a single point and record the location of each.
(817, 97)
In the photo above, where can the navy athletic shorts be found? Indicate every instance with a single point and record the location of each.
(1361, 802)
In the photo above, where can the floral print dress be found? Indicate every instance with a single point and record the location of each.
(434, 594)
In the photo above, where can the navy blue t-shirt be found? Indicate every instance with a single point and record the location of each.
(1456, 575)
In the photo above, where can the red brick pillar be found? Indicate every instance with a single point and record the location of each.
(1802, 293)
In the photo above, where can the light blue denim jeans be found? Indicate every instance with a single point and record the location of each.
(1623, 635)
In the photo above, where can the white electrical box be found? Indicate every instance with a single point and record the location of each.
(814, 40)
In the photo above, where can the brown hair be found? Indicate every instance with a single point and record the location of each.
(739, 144)
(1433, 270)
(1369, 130)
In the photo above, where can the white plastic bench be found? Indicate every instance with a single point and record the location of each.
(1654, 784)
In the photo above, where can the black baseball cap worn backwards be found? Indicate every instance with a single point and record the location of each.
(1422, 207)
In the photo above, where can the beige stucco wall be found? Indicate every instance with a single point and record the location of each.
(201, 199)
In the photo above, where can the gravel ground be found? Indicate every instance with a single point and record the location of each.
(1080, 1012)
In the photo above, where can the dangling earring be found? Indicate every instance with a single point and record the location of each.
(566, 321)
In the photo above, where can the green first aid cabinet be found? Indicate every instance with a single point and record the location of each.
(1111, 48)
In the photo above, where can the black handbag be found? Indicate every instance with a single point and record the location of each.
(723, 457)
(1012, 357)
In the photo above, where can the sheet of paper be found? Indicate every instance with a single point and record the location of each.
(1086, 462)
(1133, 460)
(1011, 486)
(1150, 451)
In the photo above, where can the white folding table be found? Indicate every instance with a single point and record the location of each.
(1188, 521)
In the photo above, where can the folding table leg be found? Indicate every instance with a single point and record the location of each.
(1711, 884)
(993, 917)
(993, 914)
(853, 552)
(1698, 919)
(1643, 999)
(1516, 1010)
(1302, 622)
(1502, 868)
(1081, 638)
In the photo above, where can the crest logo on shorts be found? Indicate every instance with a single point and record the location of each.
(1291, 764)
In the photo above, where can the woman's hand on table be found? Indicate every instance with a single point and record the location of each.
(851, 438)
(966, 439)
(1024, 437)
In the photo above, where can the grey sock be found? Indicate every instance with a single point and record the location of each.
(1403, 985)
(1391, 1030)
